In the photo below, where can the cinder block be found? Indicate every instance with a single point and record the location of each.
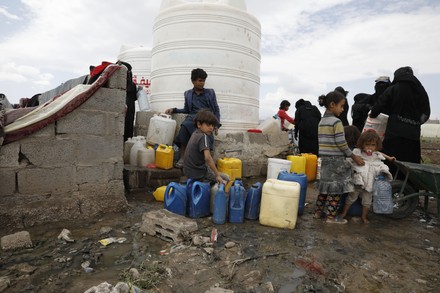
(167, 225)
(49, 153)
(83, 122)
(107, 100)
(7, 185)
(46, 180)
(17, 240)
(92, 149)
(101, 173)
(47, 132)
(119, 79)
(9, 155)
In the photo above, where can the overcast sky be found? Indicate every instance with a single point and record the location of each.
(308, 47)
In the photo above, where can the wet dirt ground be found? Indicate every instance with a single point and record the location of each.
(384, 256)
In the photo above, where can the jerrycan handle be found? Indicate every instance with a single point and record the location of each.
(168, 192)
(196, 193)
(221, 187)
(165, 115)
(162, 146)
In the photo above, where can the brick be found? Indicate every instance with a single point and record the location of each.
(167, 225)
(101, 173)
(46, 180)
(92, 149)
(250, 169)
(119, 79)
(257, 138)
(107, 100)
(7, 185)
(84, 122)
(17, 240)
(9, 155)
(49, 153)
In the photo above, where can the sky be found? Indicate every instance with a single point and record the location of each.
(308, 46)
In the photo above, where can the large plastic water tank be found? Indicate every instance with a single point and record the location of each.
(219, 37)
(139, 58)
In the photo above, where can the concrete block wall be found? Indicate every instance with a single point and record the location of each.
(70, 169)
(253, 149)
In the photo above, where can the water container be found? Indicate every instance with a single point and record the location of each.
(161, 130)
(228, 48)
(142, 98)
(237, 199)
(253, 200)
(302, 180)
(274, 166)
(230, 166)
(159, 193)
(311, 166)
(378, 124)
(279, 203)
(127, 149)
(138, 145)
(220, 206)
(175, 198)
(164, 157)
(298, 164)
(270, 125)
(382, 196)
(145, 156)
(199, 201)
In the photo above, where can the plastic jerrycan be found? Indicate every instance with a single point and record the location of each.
(161, 129)
(164, 157)
(175, 198)
(311, 166)
(279, 203)
(138, 145)
(199, 201)
(302, 180)
(145, 156)
(214, 189)
(298, 163)
(382, 196)
(253, 199)
(232, 167)
(237, 199)
(159, 193)
(220, 206)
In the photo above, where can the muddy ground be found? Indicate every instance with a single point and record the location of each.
(384, 256)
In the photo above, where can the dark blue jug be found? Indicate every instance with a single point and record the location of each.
(302, 180)
(237, 198)
(220, 206)
(199, 201)
(253, 199)
(175, 198)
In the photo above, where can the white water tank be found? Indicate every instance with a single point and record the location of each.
(218, 36)
(139, 58)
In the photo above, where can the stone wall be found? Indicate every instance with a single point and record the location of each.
(70, 169)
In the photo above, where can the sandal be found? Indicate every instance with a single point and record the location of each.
(336, 220)
(179, 164)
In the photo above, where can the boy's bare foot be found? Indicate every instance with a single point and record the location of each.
(365, 220)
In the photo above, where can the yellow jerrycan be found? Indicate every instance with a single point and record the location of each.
(298, 164)
(311, 166)
(232, 167)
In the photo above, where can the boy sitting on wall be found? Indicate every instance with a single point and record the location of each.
(198, 162)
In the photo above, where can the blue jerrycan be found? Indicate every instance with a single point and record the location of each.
(237, 198)
(253, 199)
(301, 178)
(382, 196)
(220, 206)
(175, 198)
(200, 200)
